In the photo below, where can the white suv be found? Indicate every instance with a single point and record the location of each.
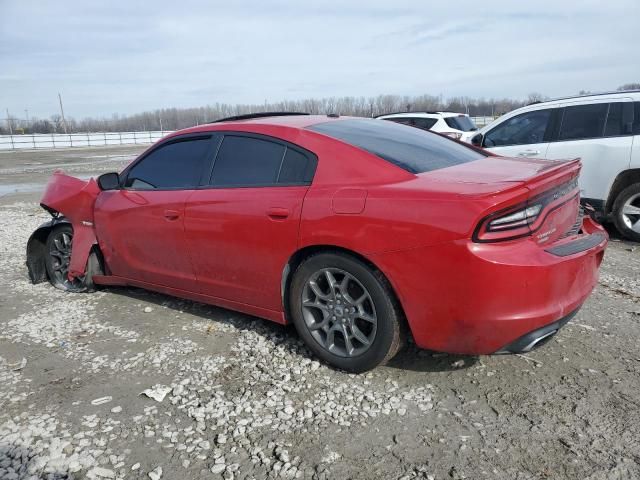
(453, 125)
(603, 130)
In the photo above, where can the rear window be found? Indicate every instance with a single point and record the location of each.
(461, 122)
(412, 149)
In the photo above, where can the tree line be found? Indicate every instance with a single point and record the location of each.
(178, 118)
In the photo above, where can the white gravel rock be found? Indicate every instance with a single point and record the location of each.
(156, 473)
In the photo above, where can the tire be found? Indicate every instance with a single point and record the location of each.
(57, 258)
(361, 305)
(628, 224)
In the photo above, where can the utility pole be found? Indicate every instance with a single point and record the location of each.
(26, 113)
(64, 122)
(9, 123)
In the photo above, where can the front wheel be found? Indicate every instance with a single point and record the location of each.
(58, 258)
(626, 212)
(345, 312)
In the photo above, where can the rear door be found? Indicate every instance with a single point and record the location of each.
(524, 135)
(243, 228)
(140, 227)
(600, 133)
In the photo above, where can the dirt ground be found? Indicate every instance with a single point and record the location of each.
(244, 399)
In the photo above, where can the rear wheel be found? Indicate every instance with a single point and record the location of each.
(345, 312)
(58, 258)
(626, 212)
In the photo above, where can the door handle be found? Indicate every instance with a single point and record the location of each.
(529, 153)
(277, 213)
(171, 215)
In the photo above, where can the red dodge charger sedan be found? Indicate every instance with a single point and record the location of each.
(355, 230)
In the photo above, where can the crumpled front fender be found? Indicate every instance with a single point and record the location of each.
(75, 199)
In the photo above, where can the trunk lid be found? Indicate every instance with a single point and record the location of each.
(495, 169)
(500, 186)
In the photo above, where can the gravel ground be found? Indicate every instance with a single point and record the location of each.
(125, 383)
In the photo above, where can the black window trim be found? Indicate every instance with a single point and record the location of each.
(205, 184)
(556, 138)
(214, 140)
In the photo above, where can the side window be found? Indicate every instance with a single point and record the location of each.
(174, 165)
(614, 125)
(296, 168)
(246, 161)
(424, 123)
(636, 118)
(419, 122)
(522, 129)
(583, 121)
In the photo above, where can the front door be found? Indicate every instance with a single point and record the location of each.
(525, 135)
(140, 227)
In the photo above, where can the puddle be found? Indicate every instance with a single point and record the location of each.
(36, 167)
(20, 188)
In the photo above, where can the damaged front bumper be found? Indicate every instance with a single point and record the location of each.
(68, 200)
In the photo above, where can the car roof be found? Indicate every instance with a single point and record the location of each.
(591, 96)
(292, 121)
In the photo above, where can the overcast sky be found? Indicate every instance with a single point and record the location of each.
(129, 56)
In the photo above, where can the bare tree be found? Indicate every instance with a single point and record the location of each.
(629, 86)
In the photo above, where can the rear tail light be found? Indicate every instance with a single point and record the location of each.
(518, 221)
(520, 218)
(455, 135)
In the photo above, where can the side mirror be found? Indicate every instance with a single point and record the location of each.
(109, 181)
(476, 140)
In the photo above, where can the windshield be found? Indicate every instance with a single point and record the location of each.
(412, 149)
(461, 122)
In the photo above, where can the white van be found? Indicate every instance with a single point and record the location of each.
(602, 129)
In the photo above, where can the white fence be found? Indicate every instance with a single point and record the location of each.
(62, 140)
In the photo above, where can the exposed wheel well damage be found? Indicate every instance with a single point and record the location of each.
(298, 257)
(36, 250)
(622, 181)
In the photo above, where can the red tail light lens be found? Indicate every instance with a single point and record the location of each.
(520, 218)
(518, 221)
(513, 223)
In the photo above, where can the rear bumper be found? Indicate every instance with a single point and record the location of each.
(538, 337)
(470, 298)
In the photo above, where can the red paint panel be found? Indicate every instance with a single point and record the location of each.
(240, 239)
(141, 235)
